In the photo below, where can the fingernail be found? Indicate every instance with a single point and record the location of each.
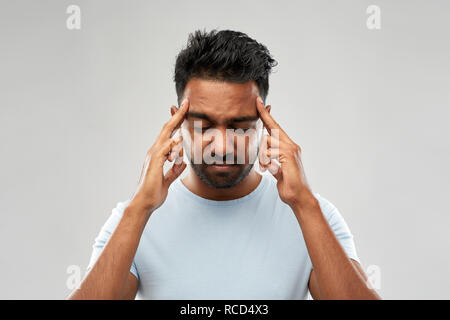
(260, 100)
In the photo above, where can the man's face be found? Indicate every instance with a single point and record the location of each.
(221, 126)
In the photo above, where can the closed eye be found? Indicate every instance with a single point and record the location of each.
(202, 129)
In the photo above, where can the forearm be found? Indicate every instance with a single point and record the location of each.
(336, 275)
(108, 276)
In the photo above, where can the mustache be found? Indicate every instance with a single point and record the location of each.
(221, 160)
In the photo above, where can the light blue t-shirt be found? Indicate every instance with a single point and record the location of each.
(246, 248)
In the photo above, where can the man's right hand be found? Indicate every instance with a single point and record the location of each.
(153, 185)
(110, 277)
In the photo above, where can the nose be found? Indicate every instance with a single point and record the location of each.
(222, 145)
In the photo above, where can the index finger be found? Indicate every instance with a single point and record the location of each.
(176, 119)
(265, 116)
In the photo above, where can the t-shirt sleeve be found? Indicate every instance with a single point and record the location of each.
(106, 232)
(339, 226)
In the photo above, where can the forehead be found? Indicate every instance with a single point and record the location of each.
(222, 100)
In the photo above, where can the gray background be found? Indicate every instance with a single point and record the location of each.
(79, 109)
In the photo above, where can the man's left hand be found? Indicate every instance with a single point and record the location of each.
(292, 186)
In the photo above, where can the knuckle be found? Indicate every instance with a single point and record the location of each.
(293, 151)
(295, 147)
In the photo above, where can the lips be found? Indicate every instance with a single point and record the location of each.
(222, 167)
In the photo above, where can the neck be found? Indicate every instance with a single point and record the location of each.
(200, 188)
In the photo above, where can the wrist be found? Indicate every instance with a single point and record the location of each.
(143, 203)
(137, 210)
(305, 204)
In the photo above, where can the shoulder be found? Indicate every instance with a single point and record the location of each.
(118, 210)
(121, 205)
(333, 215)
(327, 207)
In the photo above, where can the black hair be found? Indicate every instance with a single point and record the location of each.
(223, 55)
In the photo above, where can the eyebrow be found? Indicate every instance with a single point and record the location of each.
(232, 120)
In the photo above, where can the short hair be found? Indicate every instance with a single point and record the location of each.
(223, 55)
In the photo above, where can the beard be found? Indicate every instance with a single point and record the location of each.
(222, 180)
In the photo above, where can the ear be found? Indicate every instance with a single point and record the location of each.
(173, 110)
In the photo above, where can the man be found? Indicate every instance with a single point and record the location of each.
(224, 231)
